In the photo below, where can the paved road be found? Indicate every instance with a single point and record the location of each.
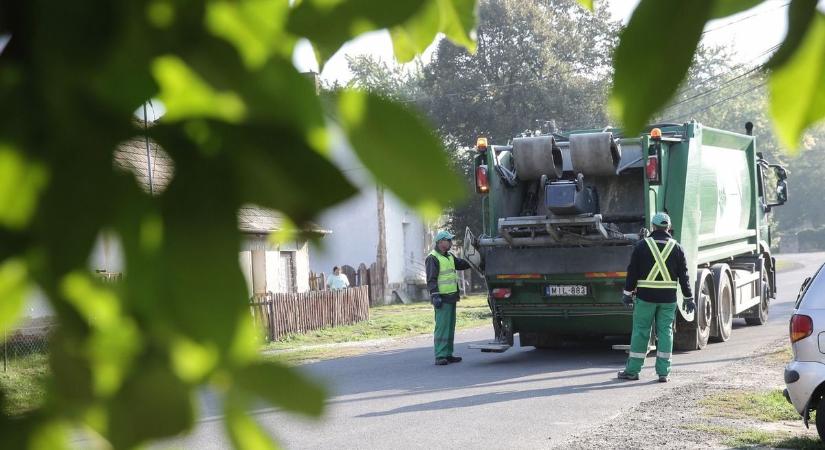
(523, 398)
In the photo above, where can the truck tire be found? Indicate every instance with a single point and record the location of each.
(724, 302)
(694, 335)
(761, 317)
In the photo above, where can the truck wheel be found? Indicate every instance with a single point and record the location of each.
(694, 335)
(724, 302)
(704, 309)
(762, 307)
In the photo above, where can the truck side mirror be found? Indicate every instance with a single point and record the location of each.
(780, 193)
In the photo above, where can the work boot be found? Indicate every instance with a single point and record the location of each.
(662, 378)
(628, 376)
(454, 359)
(441, 361)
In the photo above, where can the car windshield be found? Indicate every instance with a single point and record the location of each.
(813, 295)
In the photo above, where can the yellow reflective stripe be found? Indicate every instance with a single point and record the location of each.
(668, 249)
(657, 284)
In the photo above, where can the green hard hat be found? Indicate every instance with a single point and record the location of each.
(660, 219)
(443, 235)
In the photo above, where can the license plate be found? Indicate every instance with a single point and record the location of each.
(566, 290)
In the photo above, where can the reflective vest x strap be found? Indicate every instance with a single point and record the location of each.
(659, 267)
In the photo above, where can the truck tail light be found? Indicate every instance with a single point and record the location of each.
(801, 327)
(501, 293)
(652, 169)
(482, 185)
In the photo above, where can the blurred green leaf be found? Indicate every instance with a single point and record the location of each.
(50, 435)
(800, 15)
(255, 27)
(454, 18)
(400, 150)
(653, 57)
(329, 24)
(203, 292)
(244, 432)
(191, 361)
(278, 83)
(14, 286)
(276, 169)
(281, 386)
(114, 340)
(152, 404)
(587, 4)
(798, 87)
(186, 95)
(21, 182)
(724, 8)
(417, 33)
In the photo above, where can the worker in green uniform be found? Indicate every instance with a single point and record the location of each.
(657, 267)
(442, 282)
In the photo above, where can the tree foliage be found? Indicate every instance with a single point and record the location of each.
(242, 127)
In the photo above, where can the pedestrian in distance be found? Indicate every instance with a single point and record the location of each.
(442, 282)
(337, 280)
(657, 268)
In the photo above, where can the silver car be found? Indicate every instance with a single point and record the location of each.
(805, 375)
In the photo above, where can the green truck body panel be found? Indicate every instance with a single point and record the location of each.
(711, 185)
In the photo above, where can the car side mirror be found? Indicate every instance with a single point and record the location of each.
(802, 290)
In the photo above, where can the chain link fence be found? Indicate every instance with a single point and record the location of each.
(23, 342)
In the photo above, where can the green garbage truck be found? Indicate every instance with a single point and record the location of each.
(562, 212)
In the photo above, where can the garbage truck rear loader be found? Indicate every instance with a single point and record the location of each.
(562, 213)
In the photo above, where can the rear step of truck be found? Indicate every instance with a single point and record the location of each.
(490, 347)
(626, 347)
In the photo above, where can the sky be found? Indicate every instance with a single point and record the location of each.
(750, 33)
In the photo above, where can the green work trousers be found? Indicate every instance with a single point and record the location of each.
(444, 333)
(644, 314)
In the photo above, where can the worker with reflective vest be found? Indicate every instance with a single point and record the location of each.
(657, 268)
(442, 282)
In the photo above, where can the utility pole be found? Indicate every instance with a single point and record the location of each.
(381, 257)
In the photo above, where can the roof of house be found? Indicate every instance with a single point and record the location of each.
(132, 156)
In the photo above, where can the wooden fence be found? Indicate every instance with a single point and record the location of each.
(280, 314)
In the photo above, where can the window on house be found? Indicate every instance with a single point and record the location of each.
(287, 272)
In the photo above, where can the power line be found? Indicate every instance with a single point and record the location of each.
(751, 16)
(727, 82)
(705, 108)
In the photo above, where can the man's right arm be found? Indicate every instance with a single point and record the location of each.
(432, 274)
(632, 272)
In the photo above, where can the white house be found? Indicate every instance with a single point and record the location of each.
(356, 226)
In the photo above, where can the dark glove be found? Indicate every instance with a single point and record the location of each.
(436, 301)
(627, 301)
(689, 305)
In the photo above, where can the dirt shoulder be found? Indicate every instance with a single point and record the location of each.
(738, 406)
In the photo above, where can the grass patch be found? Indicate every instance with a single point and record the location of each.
(738, 438)
(23, 383)
(387, 322)
(785, 265)
(759, 438)
(769, 406)
(783, 355)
